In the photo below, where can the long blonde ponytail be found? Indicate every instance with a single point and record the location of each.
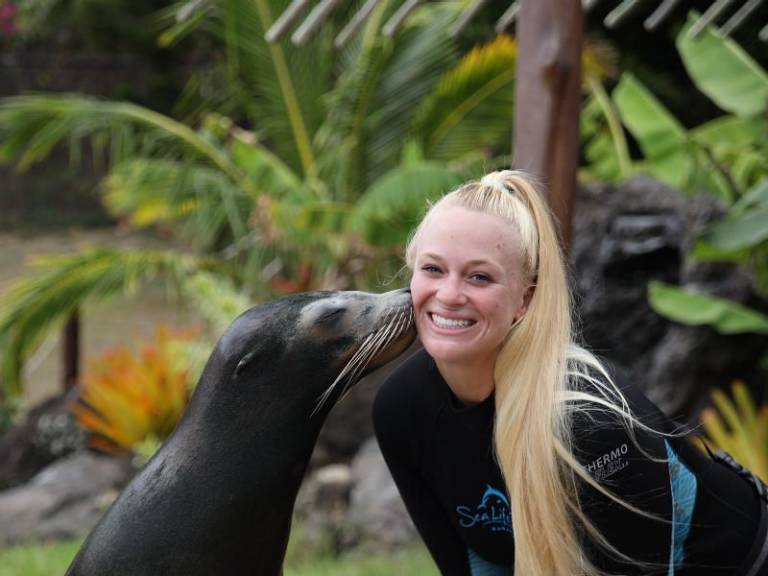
(532, 426)
(532, 429)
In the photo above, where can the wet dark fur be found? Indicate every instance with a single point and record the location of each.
(217, 498)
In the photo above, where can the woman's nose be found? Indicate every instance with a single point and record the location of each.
(450, 292)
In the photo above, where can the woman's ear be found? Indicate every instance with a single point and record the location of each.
(527, 299)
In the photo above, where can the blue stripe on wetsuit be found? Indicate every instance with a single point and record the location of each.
(481, 567)
(683, 484)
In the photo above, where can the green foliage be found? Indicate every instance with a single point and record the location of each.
(392, 206)
(660, 136)
(746, 225)
(38, 559)
(694, 309)
(727, 156)
(723, 71)
(31, 308)
(473, 104)
(739, 427)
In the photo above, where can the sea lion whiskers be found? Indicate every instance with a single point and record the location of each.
(355, 364)
(387, 335)
(400, 324)
(394, 326)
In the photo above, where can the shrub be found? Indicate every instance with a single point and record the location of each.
(128, 400)
(740, 427)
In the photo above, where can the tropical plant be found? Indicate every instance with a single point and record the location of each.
(726, 156)
(293, 194)
(127, 399)
(740, 427)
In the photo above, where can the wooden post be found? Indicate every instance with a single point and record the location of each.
(72, 351)
(548, 100)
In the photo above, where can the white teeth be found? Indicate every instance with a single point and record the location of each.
(450, 323)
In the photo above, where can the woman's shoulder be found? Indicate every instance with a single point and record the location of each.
(411, 391)
(612, 399)
(408, 379)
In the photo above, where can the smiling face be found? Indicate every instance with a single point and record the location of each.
(468, 285)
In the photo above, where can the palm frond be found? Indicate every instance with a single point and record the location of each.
(473, 104)
(33, 307)
(382, 82)
(206, 206)
(394, 204)
(286, 111)
(30, 127)
(338, 140)
(423, 52)
(182, 18)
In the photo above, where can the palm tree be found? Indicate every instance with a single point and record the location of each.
(305, 168)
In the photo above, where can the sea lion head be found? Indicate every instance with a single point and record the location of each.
(313, 345)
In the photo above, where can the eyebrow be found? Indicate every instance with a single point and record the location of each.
(476, 262)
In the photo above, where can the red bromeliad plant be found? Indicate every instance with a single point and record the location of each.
(129, 398)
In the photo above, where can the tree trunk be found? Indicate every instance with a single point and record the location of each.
(547, 100)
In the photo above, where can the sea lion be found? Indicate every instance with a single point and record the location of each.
(217, 498)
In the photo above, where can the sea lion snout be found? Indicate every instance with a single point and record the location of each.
(373, 328)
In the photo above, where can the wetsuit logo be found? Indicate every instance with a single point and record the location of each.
(609, 463)
(492, 513)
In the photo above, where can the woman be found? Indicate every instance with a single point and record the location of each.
(503, 425)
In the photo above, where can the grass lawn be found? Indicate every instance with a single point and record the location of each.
(53, 559)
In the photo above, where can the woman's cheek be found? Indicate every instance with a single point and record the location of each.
(417, 292)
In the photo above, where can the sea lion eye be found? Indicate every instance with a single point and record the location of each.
(331, 316)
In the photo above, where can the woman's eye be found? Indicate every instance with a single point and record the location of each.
(480, 278)
(430, 268)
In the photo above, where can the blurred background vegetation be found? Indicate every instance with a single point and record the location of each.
(268, 169)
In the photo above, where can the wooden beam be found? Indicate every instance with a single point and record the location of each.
(548, 100)
(72, 351)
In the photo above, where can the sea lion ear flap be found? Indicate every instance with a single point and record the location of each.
(262, 353)
(244, 362)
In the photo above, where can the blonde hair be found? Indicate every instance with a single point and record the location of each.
(534, 375)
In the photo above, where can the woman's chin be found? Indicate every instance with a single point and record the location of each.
(449, 352)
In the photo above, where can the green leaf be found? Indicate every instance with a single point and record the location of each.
(204, 204)
(743, 231)
(755, 197)
(266, 171)
(603, 153)
(724, 71)
(30, 126)
(473, 105)
(729, 131)
(392, 206)
(704, 251)
(699, 309)
(660, 136)
(423, 51)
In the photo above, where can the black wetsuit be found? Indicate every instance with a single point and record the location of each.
(710, 520)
